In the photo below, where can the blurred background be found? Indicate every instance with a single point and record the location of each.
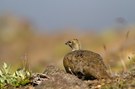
(36, 31)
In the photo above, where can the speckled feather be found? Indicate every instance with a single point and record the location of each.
(85, 64)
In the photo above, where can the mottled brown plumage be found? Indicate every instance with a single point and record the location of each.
(83, 63)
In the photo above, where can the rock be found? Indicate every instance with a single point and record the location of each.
(59, 79)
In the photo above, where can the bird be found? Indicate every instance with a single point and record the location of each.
(84, 64)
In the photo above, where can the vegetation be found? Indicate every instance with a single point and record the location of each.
(20, 77)
(17, 38)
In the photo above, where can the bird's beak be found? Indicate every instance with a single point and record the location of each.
(66, 43)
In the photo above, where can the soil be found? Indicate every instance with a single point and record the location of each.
(56, 78)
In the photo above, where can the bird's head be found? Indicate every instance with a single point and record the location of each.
(74, 44)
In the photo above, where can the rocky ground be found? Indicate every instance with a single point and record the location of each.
(55, 78)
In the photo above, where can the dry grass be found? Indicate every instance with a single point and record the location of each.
(116, 47)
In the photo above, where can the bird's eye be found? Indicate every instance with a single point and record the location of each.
(69, 41)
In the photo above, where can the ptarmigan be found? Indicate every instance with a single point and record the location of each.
(83, 63)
